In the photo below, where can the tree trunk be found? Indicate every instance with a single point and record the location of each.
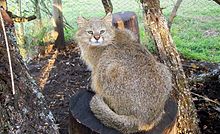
(26, 110)
(154, 19)
(107, 6)
(58, 19)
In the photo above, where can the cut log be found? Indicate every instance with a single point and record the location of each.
(83, 121)
(126, 20)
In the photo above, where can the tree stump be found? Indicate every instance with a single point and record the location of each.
(83, 121)
(126, 20)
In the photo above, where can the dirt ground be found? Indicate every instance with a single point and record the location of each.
(61, 74)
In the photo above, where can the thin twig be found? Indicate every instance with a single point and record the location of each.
(8, 51)
(173, 13)
(206, 98)
(47, 11)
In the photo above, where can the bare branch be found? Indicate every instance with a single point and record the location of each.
(206, 98)
(173, 13)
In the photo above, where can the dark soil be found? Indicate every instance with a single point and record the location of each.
(68, 75)
(204, 81)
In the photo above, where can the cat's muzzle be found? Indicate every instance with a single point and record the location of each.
(96, 41)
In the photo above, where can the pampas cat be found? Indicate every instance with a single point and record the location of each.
(130, 86)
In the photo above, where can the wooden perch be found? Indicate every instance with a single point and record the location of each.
(10, 18)
(83, 121)
(20, 19)
(127, 20)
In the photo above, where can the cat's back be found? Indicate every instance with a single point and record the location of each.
(126, 68)
(126, 50)
(128, 58)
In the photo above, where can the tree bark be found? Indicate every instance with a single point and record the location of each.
(173, 13)
(26, 110)
(58, 19)
(107, 6)
(154, 19)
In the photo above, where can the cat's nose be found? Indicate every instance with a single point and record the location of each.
(97, 37)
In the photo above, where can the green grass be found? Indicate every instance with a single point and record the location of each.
(191, 40)
(194, 19)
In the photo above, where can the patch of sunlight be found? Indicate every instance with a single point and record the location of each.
(47, 69)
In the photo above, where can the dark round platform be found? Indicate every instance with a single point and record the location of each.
(81, 117)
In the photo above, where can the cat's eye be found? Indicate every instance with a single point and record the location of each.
(102, 31)
(90, 32)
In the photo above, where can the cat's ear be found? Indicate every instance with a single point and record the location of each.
(108, 18)
(81, 21)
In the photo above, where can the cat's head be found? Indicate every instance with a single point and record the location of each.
(95, 32)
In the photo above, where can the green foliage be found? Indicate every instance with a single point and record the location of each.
(36, 37)
(69, 33)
